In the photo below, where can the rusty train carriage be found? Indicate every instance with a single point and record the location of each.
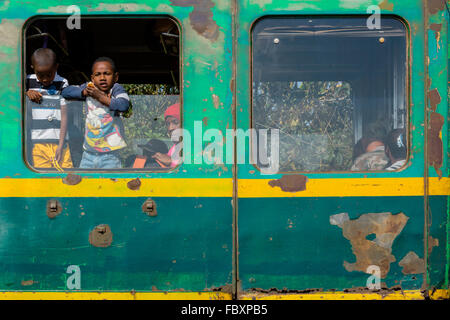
(225, 231)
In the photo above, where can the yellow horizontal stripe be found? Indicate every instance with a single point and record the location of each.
(114, 296)
(363, 187)
(247, 188)
(94, 187)
(402, 295)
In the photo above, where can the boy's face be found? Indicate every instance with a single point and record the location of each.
(45, 74)
(103, 76)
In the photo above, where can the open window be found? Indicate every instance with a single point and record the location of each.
(334, 89)
(146, 54)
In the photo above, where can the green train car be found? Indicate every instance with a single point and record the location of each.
(279, 105)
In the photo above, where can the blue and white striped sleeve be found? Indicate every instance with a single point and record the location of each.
(74, 92)
(64, 85)
(120, 101)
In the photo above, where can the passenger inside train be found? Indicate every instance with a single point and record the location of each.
(173, 122)
(396, 149)
(369, 154)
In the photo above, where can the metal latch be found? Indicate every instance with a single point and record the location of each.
(149, 207)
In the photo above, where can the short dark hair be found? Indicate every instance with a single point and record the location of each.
(105, 59)
(43, 57)
(396, 142)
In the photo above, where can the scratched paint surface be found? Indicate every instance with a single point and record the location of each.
(438, 245)
(303, 250)
(184, 247)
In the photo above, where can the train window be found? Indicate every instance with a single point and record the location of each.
(110, 87)
(334, 89)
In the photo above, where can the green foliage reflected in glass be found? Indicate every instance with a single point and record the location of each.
(315, 119)
(149, 101)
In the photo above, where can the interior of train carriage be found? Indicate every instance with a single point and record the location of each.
(146, 53)
(326, 82)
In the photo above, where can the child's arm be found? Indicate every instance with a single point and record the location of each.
(98, 95)
(34, 95)
(118, 100)
(121, 100)
(75, 92)
(62, 132)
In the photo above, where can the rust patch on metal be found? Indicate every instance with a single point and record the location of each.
(383, 291)
(434, 6)
(273, 291)
(435, 98)
(228, 288)
(290, 183)
(216, 101)
(205, 121)
(436, 27)
(434, 142)
(386, 5)
(149, 208)
(201, 18)
(412, 264)
(385, 226)
(26, 283)
(134, 184)
(72, 179)
(54, 208)
(101, 236)
(232, 85)
(432, 242)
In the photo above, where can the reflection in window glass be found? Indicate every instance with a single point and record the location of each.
(104, 97)
(334, 88)
(147, 131)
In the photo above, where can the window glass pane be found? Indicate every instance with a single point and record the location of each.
(334, 89)
(102, 97)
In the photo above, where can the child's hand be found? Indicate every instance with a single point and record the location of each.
(58, 154)
(98, 95)
(34, 96)
(94, 93)
(163, 158)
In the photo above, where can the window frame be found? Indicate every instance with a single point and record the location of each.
(24, 125)
(407, 86)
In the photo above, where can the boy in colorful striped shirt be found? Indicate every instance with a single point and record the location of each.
(47, 112)
(106, 100)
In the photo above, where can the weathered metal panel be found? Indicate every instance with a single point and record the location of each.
(188, 245)
(294, 246)
(436, 24)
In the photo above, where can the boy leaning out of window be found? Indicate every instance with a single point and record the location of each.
(105, 101)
